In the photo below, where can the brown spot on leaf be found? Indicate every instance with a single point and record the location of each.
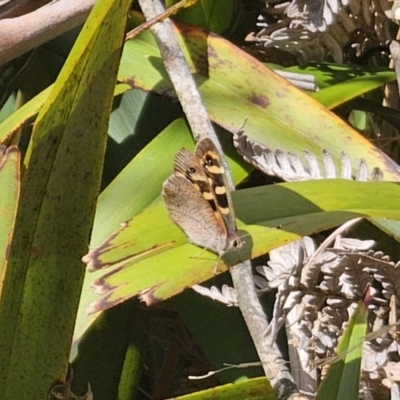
(147, 296)
(93, 258)
(259, 100)
(131, 82)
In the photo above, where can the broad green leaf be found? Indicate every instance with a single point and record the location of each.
(258, 388)
(140, 183)
(389, 114)
(28, 112)
(10, 182)
(8, 107)
(234, 85)
(23, 115)
(341, 93)
(136, 188)
(217, 343)
(110, 358)
(343, 378)
(157, 263)
(215, 16)
(132, 127)
(59, 188)
(341, 83)
(123, 118)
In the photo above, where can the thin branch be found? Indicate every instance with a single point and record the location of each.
(159, 17)
(328, 241)
(181, 78)
(179, 73)
(15, 8)
(21, 34)
(273, 363)
(395, 53)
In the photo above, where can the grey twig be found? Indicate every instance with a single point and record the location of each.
(26, 32)
(186, 90)
(179, 72)
(395, 53)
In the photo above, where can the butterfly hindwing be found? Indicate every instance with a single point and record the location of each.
(202, 228)
(210, 159)
(188, 165)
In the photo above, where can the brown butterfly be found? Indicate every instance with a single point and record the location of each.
(198, 199)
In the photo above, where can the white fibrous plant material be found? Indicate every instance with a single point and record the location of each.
(313, 29)
(314, 303)
(225, 295)
(290, 168)
(315, 300)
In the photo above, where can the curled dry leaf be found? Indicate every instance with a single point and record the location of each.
(290, 168)
(62, 391)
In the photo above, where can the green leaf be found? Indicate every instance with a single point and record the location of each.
(8, 107)
(44, 276)
(215, 16)
(139, 184)
(10, 182)
(342, 83)
(258, 388)
(159, 263)
(341, 93)
(233, 85)
(343, 378)
(23, 115)
(389, 114)
(135, 189)
(26, 114)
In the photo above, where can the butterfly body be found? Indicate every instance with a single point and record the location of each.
(198, 199)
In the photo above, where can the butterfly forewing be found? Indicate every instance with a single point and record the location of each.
(210, 159)
(186, 164)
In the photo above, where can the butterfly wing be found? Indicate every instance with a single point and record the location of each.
(187, 165)
(210, 160)
(192, 213)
